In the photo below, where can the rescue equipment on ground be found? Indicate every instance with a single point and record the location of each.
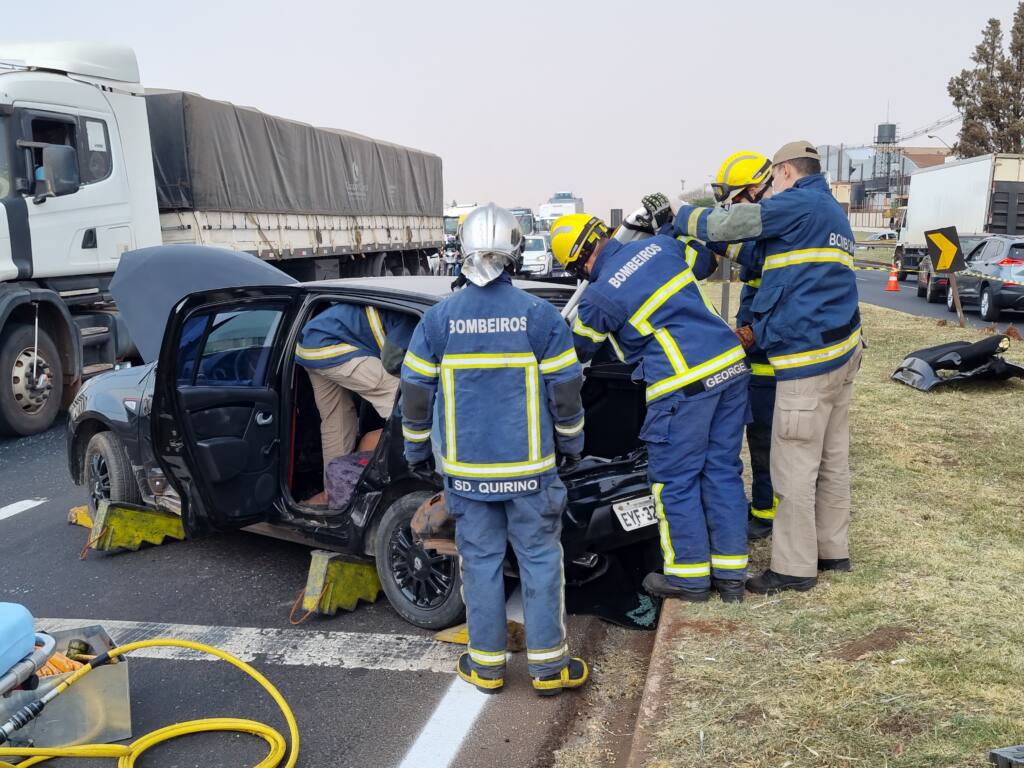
(982, 360)
(12, 628)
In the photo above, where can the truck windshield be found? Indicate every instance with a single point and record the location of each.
(5, 168)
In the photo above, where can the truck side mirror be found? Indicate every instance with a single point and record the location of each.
(60, 168)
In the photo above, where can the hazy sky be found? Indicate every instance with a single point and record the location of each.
(608, 100)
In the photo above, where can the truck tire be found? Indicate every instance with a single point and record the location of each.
(988, 305)
(424, 588)
(29, 401)
(108, 472)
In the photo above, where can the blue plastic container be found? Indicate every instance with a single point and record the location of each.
(17, 635)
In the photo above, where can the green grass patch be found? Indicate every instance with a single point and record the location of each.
(915, 658)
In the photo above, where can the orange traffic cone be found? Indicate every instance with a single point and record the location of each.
(894, 283)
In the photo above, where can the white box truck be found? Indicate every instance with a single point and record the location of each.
(978, 195)
(93, 165)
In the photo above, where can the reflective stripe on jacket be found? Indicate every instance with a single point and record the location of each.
(346, 331)
(646, 294)
(805, 313)
(509, 382)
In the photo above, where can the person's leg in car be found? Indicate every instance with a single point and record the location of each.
(367, 378)
(339, 422)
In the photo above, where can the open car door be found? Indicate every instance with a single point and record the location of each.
(216, 422)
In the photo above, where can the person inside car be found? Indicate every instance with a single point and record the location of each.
(352, 350)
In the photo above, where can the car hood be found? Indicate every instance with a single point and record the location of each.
(149, 283)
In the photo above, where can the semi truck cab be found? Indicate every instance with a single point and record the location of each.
(76, 191)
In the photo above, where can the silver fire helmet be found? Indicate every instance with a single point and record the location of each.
(491, 240)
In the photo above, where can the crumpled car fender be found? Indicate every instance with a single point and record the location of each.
(961, 360)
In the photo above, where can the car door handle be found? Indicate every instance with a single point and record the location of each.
(263, 419)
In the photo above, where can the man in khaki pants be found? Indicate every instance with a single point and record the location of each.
(349, 349)
(806, 319)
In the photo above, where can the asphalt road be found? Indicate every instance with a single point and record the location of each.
(871, 284)
(356, 701)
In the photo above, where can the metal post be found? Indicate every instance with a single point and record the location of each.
(956, 298)
(726, 276)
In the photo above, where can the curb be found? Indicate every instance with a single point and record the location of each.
(659, 674)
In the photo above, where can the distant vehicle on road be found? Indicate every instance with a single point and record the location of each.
(932, 287)
(526, 219)
(558, 205)
(537, 258)
(980, 195)
(877, 238)
(994, 278)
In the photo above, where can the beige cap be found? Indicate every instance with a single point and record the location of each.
(793, 150)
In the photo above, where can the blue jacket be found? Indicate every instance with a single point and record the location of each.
(644, 297)
(750, 256)
(509, 387)
(343, 332)
(805, 310)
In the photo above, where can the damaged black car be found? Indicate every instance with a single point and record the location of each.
(219, 425)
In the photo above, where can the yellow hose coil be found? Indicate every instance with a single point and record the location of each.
(128, 755)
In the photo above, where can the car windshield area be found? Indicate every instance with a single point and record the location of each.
(228, 349)
(5, 166)
(536, 244)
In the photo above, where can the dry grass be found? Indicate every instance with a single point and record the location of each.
(913, 659)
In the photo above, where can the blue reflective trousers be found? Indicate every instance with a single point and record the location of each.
(533, 525)
(693, 448)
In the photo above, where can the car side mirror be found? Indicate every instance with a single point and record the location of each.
(60, 172)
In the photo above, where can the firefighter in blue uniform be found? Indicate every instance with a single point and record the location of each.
(745, 177)
(806, 319)
(645, 298)
(509, 383)
(352, 349)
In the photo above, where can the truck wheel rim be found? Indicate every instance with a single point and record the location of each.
(30, 386)
(426, 579)
(99, 479)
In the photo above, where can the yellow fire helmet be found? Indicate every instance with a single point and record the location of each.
(740, 170)
(573, 237)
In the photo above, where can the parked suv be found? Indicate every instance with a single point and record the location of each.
(994, 278)
(932, 287)
(223, 430)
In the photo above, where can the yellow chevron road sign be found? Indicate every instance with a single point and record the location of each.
(944, 250)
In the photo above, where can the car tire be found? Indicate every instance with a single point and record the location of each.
(922, 286)
(931, 293)
(988, 305)
(950, 305)
(423, 587)
(108, 472)
(20, 412)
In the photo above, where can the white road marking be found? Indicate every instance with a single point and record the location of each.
(439, 741)
(19, 506)
(285, 647)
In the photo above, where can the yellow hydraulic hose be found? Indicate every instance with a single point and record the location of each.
(127, 755)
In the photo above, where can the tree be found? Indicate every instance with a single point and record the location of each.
(990, 96)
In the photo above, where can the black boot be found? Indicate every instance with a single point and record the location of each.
(758, 528)
(836, 564)
(771, 583)
(658, 585)
(731, 590)
(573, 675)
